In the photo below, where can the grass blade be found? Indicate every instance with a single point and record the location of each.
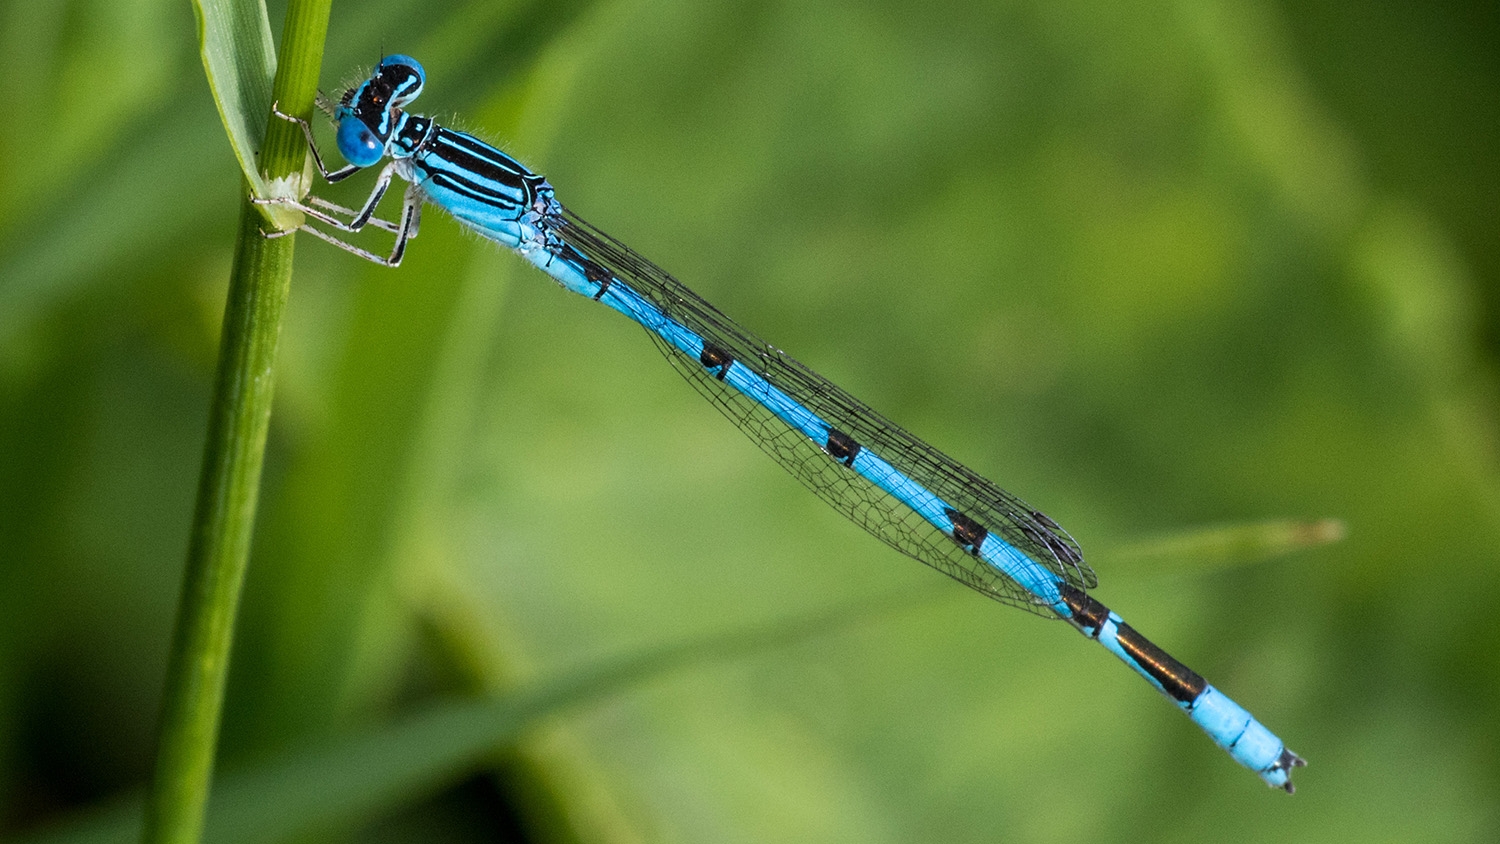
(239, 57)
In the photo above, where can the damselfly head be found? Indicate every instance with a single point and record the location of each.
(370, 113)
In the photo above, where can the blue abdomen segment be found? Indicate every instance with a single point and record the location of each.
(1247, 740)
(1230, 725)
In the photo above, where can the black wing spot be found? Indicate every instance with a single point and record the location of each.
(841, 447)
(715, 360)
(968, 533)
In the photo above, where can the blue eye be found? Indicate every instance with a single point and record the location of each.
(358, 144)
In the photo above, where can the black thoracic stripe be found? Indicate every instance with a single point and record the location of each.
(714, 357)
(444, 179)
(468, 142)
(492, 168)
(480, 165)
(1088, 614)
(968, 533)
(1181, 682)
(463, 144)
(842, 447)
(461, 164)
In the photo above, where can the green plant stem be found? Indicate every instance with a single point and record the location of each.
(228, 489)
(220, 545)
(296, 86)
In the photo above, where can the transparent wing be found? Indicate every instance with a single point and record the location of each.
(869, 506)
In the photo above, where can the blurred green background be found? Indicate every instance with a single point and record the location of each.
(1154, 266)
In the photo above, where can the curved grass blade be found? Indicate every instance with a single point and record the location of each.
(239, 58)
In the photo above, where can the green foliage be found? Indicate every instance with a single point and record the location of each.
(324, 787)
(1154, 267)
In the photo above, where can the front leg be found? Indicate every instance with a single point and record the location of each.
(331, 177)
(366, 211)
(383, 225)
(361, 217)
(411, 215)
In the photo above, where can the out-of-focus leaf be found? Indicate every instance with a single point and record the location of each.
(334, 785)
(1223, 546)
(106, 222)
